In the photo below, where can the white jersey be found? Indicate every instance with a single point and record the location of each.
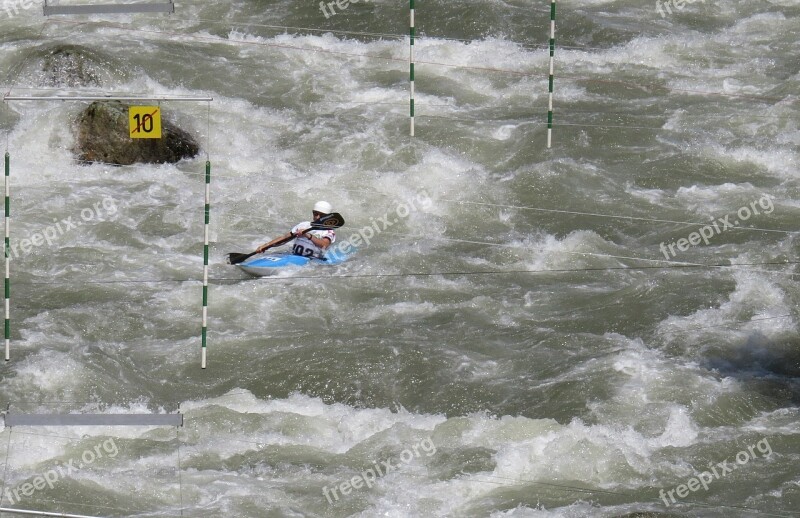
(303, 246)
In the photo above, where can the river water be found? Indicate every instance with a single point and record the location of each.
(605, 327)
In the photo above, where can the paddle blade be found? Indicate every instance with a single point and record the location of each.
(333, 220)
(235, 258)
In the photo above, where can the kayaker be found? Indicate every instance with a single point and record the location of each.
(312, 243)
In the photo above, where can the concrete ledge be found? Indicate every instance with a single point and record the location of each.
(94, 419)
(167, 7)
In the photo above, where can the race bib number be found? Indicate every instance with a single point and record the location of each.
(303, 251)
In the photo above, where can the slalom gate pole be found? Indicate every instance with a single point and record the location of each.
(7, 242)
(205, 264)
(411, 64)
(550, 82)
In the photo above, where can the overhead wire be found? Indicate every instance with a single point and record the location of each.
(569, 124)
(401, 36)
(218, 40)
(371, 192)
(718, 267)
(531, 208)
(670, 263)
(403, 104)
(388, 35)
(614, 216)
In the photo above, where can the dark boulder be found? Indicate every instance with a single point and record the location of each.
(70, 65)
(103, 135)
(63, 65)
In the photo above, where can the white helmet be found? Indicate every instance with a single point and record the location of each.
(323, 207)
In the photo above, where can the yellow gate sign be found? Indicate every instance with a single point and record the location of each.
(145, 121)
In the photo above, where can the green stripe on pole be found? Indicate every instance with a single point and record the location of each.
(412, 71)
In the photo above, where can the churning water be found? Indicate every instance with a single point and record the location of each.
(601, 328)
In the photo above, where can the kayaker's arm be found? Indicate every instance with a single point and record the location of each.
(322, 242)
(278, 240)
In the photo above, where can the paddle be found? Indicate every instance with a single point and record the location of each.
(333, 220)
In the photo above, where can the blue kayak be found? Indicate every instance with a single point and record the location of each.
(270, 264)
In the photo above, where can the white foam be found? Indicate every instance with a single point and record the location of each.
(751, 307)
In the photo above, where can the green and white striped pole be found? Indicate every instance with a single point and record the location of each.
(550, 87)
(411, 64)
(205, 263)
(8, 259)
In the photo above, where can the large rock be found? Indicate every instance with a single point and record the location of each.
(70, 65)
(103, 135)
(63, 65)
